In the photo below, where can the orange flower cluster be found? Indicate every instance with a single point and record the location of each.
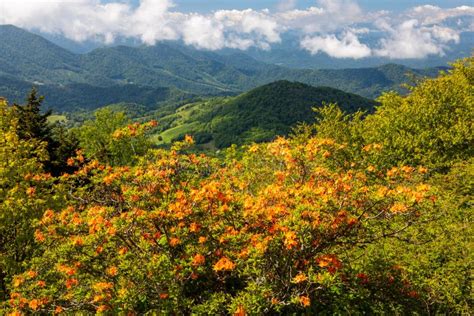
(274, 220)
(224, 264)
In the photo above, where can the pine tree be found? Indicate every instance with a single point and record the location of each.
(33, 124)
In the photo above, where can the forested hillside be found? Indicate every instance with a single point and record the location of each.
(135, 71)
(353, 213)
(255, 116)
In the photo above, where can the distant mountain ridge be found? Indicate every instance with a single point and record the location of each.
(27, 59)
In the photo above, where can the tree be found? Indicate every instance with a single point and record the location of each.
(33, 124)
(431, 126)
(112, 139)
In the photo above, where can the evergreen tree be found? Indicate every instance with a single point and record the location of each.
(33, 124)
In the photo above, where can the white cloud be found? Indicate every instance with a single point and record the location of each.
(409, 40)
(429, 14)
(203, 32)
(328, 16)
(330, 26)
(261, 25)
(444, 34)
(346, 47)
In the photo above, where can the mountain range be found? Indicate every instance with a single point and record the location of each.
(153, 75)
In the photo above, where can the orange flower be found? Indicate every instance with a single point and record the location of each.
(198, 260)
(174, 242)
(112, 271)
(41, 283)
(194, 228)
(67, 270)
(224, 264)
(189, 139)
(101, 286)
(202, 239)
(32, 274)
(70, 162)
(111, 231)
(352, 221)
(422, 170)
(399, 208)
(367, 147)
(329, 261)
(78, 241)
(301, 277)
(31, 191)
(34, 304)
(102, 308)
(240, 311)
(305, 301)
(58, 310)
(39, 236)
(71, 282)
(164, 296)
(290, 240)
(122, 251)
(370, 168)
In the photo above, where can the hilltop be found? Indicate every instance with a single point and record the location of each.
(256, 116)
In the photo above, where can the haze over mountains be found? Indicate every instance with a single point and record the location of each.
(288, 53)
(153, 74)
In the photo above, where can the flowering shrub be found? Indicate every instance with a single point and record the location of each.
(271, 232)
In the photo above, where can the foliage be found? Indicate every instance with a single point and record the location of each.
(431, 126)
(112, 139)
(344, 216)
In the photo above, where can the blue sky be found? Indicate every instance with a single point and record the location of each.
(393, 5)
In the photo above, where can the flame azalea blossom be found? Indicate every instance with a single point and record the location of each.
(224, 264)
(305, 301)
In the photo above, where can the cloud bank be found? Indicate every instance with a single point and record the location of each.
(335, 27)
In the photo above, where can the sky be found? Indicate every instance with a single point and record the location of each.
(404, 29)
(393, 5)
